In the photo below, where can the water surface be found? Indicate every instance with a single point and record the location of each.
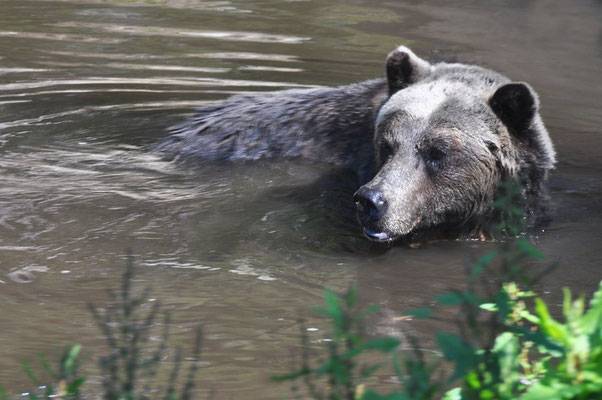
(87, 86)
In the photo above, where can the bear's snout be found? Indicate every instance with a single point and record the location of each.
(371, 206)
(370, 203)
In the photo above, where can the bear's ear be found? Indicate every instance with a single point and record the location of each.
(404, 68)
(516, 105)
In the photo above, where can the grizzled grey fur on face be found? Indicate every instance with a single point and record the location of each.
(431, 143)
(442, 146)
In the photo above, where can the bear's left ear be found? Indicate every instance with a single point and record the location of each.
(516, 105)
(404, 68)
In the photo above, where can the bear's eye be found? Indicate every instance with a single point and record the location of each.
(491, 146)
(386, 151)
(434, 154)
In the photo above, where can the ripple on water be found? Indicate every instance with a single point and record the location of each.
(60, 37)
(177, 81)
(243, 267)
(174, 263)
(26, 274)
(237, 36)
(237, 55)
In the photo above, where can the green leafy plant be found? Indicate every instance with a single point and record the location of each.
(512, 352)
(568, 359)
(130, 368)
(127, 332)
(574, 372)
(62, 381)
(486, 351)
(532, 356)
(342, 375)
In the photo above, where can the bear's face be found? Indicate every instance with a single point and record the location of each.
(443, 143)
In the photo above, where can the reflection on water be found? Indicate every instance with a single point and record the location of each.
(86, 87)
(141, 81)
(57, 36)
(161, 31)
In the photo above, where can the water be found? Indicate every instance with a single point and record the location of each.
(86, 86)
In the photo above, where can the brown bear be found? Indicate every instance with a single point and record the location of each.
(430, 143)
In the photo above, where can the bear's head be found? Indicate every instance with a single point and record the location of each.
(444, 141)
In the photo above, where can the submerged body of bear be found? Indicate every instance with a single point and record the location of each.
(430, 144)
(333, 125)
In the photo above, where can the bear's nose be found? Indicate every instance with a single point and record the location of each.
(370, 203)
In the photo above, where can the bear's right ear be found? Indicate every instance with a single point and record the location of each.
(516, 105)
(404, 68)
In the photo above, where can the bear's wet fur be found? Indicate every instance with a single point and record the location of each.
(430, 144)
(332, 125)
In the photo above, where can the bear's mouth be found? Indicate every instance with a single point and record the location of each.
(415, 233)
(378, 236)
(412, 237)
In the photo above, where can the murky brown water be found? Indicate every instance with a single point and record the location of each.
(244, 249)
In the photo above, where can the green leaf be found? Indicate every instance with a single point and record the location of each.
(340, 372)
(351, 296)
(291, 376)
(548, 325)
(529, 317)
(29, 372)
(482, 263)
(592, 319)
(575, 312)
(335, 312)
(49, 392)
(457, 350)
(450, 299)
(517, 211)
(69, 362)
(528, 248)
(397, 366)
(503, 304)
(420, 313)
(44, 363)
(543, 342)
(73, 387)
(367, 371)
(539, 391)
(386, 344)
(501, 201)
(453, 394)
(3, 395)
(525, 294)
(326, 367)
(566, 301)
(472, 380)
(352, 353)
(372, 395)
(507, 349)
(489, 307)
(371, 309)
